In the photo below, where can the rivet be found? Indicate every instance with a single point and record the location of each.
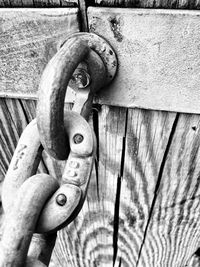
(61, 199)
(78, 138)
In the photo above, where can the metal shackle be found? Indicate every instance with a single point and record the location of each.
(102, 63)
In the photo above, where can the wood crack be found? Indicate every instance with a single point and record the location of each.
(96, 108)
(158, 183)
(24, 111)
(83, 16)
(118, 192)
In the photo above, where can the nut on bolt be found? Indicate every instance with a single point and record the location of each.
(81, 78)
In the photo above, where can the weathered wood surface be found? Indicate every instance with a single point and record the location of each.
(174, 4)
(158, 68)
(147, 137)
(159, 65)
(38, 3)
(174, 224)
(185, 4)
(132, 147)
(123, 220)
(28, 40)
(111, 225)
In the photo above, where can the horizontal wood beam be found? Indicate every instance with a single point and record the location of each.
(28, 39)
(158, 54)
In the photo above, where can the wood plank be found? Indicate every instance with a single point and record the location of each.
(28, 40)
(185, 4)
(158, 53)
(146, 143)
(94, 226)
(38, 3)
(167, 81)
(173, 235)
(88, 240)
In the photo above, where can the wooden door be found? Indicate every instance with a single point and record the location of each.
(142, 207)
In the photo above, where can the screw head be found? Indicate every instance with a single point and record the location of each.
(78, 138)
(61, 199)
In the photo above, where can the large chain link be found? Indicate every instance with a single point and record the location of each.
(36, 203)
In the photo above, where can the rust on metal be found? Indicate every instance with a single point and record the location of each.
(78, 47)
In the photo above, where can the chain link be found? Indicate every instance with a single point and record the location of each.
(64, 135)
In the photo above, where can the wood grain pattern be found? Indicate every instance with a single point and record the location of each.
(111, 226)
(174, 225)
(38, 3)
(158, 63)
(184, 4)
(94, 226)
(28, 40)
(175, 4)
(147, 138)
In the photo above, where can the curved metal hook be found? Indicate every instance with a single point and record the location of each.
(102, 64)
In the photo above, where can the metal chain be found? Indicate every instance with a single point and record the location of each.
(64, 135)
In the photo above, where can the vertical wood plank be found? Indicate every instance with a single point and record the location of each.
(146, 142)
(173, 230)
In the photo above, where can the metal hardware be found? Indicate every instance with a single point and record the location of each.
(158, 54)
(61, 199)
(78, 47)
(55, 125)
(75, 178)
(159, 68)
(78, 138)
(80, 78)
(102, 48)
(76, 174)
(20, 222)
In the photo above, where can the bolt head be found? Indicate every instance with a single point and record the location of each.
(61, 199)
(78, 138)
